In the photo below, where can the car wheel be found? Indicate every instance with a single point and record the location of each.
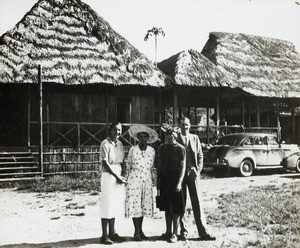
(298, 166)
(246, 168)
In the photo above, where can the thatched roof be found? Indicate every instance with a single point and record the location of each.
(190, 68)
(263, 66)
(74, 45)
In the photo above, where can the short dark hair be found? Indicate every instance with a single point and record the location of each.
(185, 118)
(113, 124)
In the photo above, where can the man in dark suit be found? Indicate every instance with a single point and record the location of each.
(194, 164)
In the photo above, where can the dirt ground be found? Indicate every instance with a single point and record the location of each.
(72, 219)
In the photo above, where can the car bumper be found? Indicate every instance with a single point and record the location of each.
(217, 164)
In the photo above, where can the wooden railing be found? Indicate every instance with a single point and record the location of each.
(81, 134)
(72, 147)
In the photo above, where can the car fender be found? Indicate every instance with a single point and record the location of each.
(289, 162)
(235, 157)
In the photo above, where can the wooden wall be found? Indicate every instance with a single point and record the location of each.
(75, 104)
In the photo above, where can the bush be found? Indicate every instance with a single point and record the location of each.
(83, 181)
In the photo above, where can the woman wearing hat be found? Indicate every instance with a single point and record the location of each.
(171, 169)
(139, 188)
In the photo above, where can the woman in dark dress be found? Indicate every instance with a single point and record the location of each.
(171, 169)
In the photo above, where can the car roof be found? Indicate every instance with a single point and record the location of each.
(249, 135)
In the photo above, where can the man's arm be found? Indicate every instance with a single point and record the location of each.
(199, 155)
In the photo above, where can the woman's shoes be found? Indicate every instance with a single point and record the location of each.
(143, 236)
(137, 237)
(173, 239)
(117, 238)
(106, 240)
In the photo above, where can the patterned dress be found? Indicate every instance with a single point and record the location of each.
(139, 189)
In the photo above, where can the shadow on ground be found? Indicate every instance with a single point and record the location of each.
(74, 243)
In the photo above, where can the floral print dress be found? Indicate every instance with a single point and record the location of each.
(139, 200)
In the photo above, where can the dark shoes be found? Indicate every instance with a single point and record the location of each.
(137, 237)
(143, 236)
(207, 237)
(183, 236)
(166, 236)
(116, 238)
(106, 241)
(140, 237)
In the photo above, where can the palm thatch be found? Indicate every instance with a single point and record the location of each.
(263, 66)
(190, 68)
(74, 45)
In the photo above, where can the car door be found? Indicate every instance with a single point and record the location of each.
(260, 151)
(275, 153)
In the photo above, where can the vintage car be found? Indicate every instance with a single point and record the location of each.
(292, 162)
(249, 151)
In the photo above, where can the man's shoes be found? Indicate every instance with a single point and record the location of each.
(117, 238)
(143, 236)
(106, 241)
(166, 236)
(208, 237)
(183, 236)
(173, 239)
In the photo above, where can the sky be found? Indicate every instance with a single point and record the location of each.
(186, 23)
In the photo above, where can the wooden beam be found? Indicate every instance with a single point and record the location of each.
(159, 110)
(106, 110)
(258, 113)
(41, 157)
(243, 112)
(293, 133)
(28, 115)
(207, 123)
(218, 110)
(278, 121)
(175, 106)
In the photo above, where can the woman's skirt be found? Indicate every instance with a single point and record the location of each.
(170, 200)
(112, 195)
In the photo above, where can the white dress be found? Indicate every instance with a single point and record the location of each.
(112, 193)
(139, 189)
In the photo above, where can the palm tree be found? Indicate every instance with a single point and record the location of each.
(154, 31)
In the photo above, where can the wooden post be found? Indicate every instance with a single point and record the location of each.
(207, 123)
(278, 121)
(258, 113)
(40, 119)
(28, 116)
(243, 112)
(106, 110)
(218, 110)
(160, 112)
(48, 121)
(175, 107)
(293, 133)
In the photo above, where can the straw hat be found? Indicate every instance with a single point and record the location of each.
(138, 128)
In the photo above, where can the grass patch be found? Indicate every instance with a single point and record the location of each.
(66, 183)
(269, 210)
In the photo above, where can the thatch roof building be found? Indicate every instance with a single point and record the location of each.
(74, 46)
(91, 76)
(191, 68)
(262, 66)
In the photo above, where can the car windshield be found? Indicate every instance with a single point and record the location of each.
(227, 140)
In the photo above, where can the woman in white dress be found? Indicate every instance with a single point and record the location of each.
(139, 202)
(112, 184)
